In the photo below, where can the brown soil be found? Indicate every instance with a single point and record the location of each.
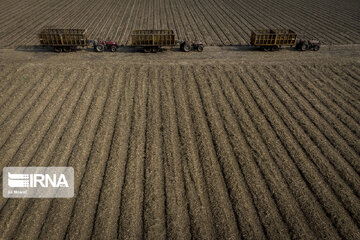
(226, 144)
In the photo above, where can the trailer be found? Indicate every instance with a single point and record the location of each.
(63, 39)
(154, 40)
(270, 39)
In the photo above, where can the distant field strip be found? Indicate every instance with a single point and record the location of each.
(216, 22)
(180, 151)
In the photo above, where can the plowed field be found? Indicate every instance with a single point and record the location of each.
(225, 145)
(216, 22)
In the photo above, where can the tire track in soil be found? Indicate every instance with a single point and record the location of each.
(29, 214)
(335, 210)
(59, 214)
(201, 218)
(85, 207)
(108, 211)
(247, 111)
(243, 176)
(319, 134)
(131, 209)
(246, 138)
(154, 186)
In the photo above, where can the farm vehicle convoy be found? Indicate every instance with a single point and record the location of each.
(66, 40)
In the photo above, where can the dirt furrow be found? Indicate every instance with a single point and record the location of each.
(336, 170)
(16, 128)
(247, 136)
(177, 205)
(247, 111)
(223, 213)
(331, 105)
(125, 36)
(15, 111)
(345, 80)
(154, 189)
(85, 206)
(324, 111)
(330, 202)
(245, 170)
(12, 84)
(21, 92)
(58, 216)
(321, 82)
(328, 140)
(335, 88)
(6, 78)
(131, 211)
(195, 185)
(108, 211)
(34, 211)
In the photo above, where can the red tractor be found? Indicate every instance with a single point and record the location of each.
(101, 45)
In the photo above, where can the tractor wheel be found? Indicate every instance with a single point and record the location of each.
(66, 49)
(187, 47)
(57, 49)
(303, 47)
(100, 48)
(200, 48)
(113, 48)
(316, 48)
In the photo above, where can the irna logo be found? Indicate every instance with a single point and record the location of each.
(36, 180)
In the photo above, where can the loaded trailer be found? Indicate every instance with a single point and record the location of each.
(272, 39)
(66, 40)
(154, 40)
(63, 39)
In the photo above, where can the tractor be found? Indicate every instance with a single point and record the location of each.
(101, 45)
(195, 45)
(304, 45)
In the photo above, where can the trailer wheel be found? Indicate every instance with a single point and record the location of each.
(57, 49)
(316, 48)
(66, 49)
(113, 48)
(266, 49)
(99, 47)
(200, 48)
(154, 50)
(187, 47)
(147, 50)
